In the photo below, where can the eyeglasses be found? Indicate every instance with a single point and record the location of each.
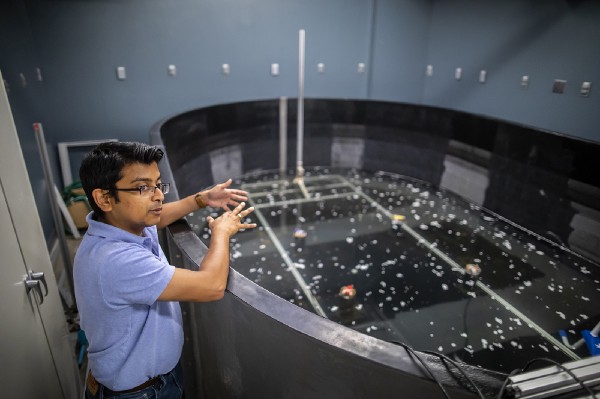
(146, 191)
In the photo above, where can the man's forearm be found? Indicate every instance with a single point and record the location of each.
(173, 211)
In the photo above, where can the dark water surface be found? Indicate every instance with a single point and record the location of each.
(404, 246)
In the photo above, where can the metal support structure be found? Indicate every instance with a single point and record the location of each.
(581, 375)
(282, 137)
(299, 179)
(54, 206)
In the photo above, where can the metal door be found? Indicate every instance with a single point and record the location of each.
(37, 356)
(28, 369)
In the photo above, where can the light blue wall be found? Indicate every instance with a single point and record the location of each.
(399, 50)
(82, 42)
(545, 39)
(79, 43)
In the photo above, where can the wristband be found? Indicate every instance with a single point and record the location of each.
(200, 201)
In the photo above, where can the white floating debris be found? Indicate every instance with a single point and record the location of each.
(349, 240)
(278, 277)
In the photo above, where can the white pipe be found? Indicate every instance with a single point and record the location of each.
(54, 207)
(300, 124)
(596, 330)
(282, 136)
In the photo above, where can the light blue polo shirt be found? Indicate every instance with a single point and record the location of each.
(118, 278)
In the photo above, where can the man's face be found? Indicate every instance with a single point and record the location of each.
(134, 212)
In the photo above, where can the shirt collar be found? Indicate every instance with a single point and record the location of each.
(101, 229)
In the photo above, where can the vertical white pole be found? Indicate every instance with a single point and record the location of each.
(54, 207)
(282, 136)
(300, 124)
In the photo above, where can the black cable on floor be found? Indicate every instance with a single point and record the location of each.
(446, 358)
(415, 354)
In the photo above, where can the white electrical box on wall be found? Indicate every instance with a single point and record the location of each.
(121, 75)
(482, 76)
(275, 69)
(458, 74)
(586, 87)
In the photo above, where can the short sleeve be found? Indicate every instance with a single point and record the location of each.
(134, 275)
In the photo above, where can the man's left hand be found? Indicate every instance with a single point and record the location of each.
(221, 196)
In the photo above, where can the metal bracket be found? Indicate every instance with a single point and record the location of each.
(39, 276)
(35, 286)
(554, 380)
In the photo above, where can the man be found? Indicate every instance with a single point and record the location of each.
(126, 291)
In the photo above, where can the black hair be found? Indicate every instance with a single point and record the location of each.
(103, 166)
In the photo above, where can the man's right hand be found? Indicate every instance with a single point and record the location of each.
(230, 223)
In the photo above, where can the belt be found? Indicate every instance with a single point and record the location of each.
(93, 385)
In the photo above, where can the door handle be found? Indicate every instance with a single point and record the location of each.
(39, 276)
(35, 286)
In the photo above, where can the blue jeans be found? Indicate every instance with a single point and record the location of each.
(170, 386)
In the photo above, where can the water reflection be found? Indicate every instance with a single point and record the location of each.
(404, 248)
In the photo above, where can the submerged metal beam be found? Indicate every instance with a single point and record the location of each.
(288, 261)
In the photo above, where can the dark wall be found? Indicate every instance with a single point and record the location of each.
(253, 344)
(544, 182)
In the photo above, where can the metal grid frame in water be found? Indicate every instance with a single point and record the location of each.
(409, 274)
